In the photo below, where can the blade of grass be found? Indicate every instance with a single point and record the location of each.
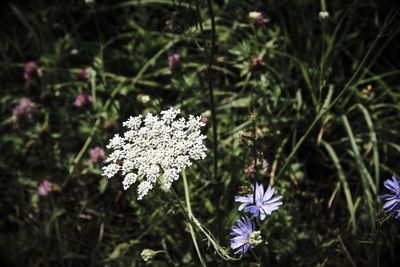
(345, 185)
(366, 178)
(374, 142)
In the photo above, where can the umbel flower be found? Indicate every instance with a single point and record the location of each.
(264, 203)
(243, 236)
(155, 148)
(392, 204)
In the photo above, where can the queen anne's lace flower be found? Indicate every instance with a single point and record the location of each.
(155, 148)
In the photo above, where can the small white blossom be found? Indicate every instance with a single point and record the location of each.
(155, 148)
(254, 15)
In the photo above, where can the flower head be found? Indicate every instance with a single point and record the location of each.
(257, 18)
(174, 61)
(24, 110)
(31, 70)
(96, 155)
(82, 75)
(256, 61)
(45, 187)
(83, 99)
(323, 15)
(264, 203)
(144, 99)
(155, 148)
(392, 204)
(243, 236)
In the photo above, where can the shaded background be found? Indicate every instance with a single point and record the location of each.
(88, 220)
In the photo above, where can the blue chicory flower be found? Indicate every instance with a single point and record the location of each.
(241, 233)
(392, 204)
(264, 203)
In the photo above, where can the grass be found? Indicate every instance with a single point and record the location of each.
(327, 98)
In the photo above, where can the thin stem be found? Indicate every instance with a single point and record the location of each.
(190, 215)
(323, 111)
(211, 92)
(255, 161)
(209, 58)
(194, 222)
(58, 233)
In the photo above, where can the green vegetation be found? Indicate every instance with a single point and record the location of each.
(320, 91)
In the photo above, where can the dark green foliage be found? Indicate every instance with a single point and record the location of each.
(340, 76)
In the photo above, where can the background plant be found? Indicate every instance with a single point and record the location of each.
(288, 69)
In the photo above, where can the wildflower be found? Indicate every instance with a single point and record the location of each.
(392, 204)
(256, 61)
(323, 15)
(174, 61)
(155, 149)
(83, 99)
(96, 155)
(257, 18)
(263, 204)
(367, 90)
(142, 98)
(45, 187)
(74, 52)
(148, 254)
(24, 110)
(31, 71)
(82, 75)
(243, 236)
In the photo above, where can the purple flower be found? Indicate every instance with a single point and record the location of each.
(240, 235)
(32, 71)
(82, 75)
(264, 203)
(83, 99)
(45, 187)
(392, 204)
(174, 61)
(24, 110)
(96, 155)
(244, 236)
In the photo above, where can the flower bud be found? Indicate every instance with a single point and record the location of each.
(257, 18)
(144, 99)
(323, 15)
(148, 254)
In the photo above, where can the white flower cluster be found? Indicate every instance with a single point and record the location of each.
(155, 148)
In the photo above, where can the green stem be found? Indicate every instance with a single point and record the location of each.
(190, 215)
(323, 111)
(255, 161)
